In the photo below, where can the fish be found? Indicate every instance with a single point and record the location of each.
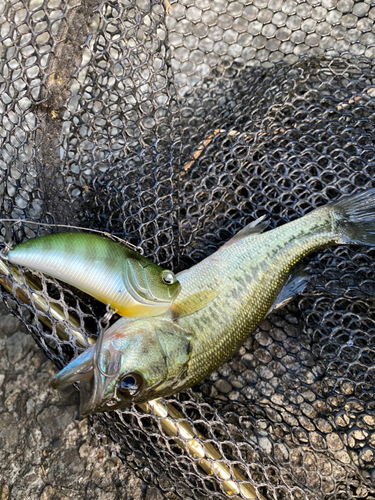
(222, 299)
(105, 269)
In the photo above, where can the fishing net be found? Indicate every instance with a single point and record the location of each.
(173, 126)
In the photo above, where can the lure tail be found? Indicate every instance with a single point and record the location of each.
(354, 218)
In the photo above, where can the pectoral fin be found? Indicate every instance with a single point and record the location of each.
(193, 303)
(296, 284)
(255, 227)
(177, 345)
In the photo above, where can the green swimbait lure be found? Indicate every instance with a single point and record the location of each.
(109, 271)
(222, 299)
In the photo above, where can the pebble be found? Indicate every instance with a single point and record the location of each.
(9, 324)
(249, 360)
(4, 491)
(263, 338)
(235, 396)
(8, 432)
(18, 346)
(50, 493)
(237, 381)
(334, 442)
(66, 469)
(54, 420)
(223, 386)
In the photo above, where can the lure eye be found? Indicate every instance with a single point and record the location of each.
(131, 384)
(168, 277)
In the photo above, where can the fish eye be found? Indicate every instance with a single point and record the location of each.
(131, 384)
(168, 277)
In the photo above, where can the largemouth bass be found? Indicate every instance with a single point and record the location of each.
(109, 271)
(222, 299)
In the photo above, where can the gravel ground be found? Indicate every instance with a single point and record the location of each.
(46, 451)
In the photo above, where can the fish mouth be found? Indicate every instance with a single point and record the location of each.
(93, 395)
(77, 370)
(95, 380)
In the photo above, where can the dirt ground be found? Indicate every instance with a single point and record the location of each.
(46, 450)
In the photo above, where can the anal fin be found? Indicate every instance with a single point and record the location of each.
(296, 283)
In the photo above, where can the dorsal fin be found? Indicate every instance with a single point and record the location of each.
(255, 227)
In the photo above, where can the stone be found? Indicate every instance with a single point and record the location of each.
(18, 345)
(4, 491)
(66, 469)
(8, 431)
(154, 494)
(223, 386)
(54, 420)
(334, 442)
(50, 493)
(9, 324)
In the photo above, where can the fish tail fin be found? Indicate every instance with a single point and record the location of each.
(354, 218)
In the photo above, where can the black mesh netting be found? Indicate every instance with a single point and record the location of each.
(173, 126)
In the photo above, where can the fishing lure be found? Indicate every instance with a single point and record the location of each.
(222, 299)
(105, 269)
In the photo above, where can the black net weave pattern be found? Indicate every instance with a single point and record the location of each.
(173, 125)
